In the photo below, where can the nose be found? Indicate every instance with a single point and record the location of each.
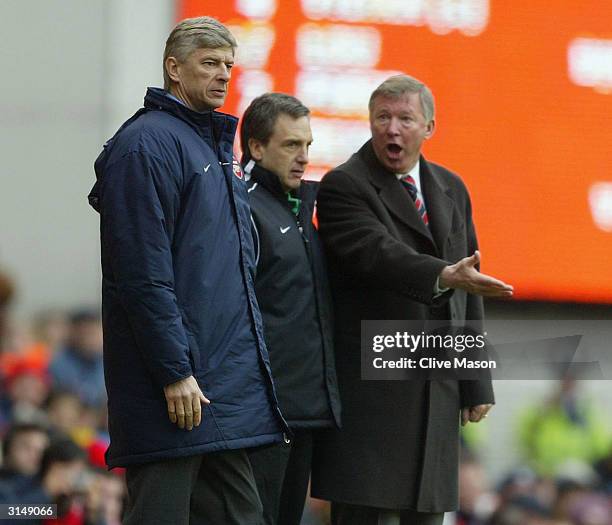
(225, 73)
(393, 127)
(302, 157)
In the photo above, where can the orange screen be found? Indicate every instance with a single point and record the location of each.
(524, 109)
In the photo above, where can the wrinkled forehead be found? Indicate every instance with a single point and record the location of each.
(220, 53)
(402, 104)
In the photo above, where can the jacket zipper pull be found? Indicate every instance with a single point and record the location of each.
(301, 230)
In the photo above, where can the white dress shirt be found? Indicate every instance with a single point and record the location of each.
(415, 173)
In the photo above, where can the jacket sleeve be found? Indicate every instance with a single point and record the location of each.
(363, 248)
(140, 200)
(475, 392)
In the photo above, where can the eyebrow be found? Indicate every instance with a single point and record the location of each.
(214, 56)
(295, 139)
(217, 59)
(388, 111)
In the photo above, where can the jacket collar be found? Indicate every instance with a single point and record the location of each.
(270, 181)
(214, 127)
(439, 202)
(398, 202)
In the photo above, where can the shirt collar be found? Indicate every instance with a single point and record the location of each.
(415, 174)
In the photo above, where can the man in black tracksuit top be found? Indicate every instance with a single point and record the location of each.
(293, 295)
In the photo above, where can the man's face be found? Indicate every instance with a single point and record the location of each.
(398, 130)
(64, 477)
(286, 153)
(26, 452)
(201, 81)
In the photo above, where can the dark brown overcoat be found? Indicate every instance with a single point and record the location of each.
(398, 446)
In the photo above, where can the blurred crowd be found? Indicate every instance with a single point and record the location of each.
(53, 428)
(53, 423)
(565, 477)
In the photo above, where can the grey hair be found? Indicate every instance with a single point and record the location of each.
(260, 117)
(399, 85)
(195, 33)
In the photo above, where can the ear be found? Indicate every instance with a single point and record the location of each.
(431, 126)
(172, 68)
(256, 149)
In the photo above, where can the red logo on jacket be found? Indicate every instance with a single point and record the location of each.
(237, 169)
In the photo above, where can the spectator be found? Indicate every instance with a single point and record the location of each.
(23, 447)
(27, 387)
(62, 467)
(78, 366)
(523, 510)
(565, 428)
(476, 501)
(523, 482)
(16, 344)
(64, 410)
(18, 350)
(105, 499)
(51, 328)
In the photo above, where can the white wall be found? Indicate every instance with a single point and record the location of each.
(72, 71)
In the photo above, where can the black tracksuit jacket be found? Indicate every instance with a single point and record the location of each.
(293, 295)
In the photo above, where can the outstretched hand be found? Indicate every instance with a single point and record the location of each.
(465, 276)
(185, 400)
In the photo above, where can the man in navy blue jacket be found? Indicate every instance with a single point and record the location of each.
(186, 367)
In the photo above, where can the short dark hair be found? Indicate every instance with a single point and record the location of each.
(16, 430)
(61, 450)
(260, 117)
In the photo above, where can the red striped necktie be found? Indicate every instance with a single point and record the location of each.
(410, 185)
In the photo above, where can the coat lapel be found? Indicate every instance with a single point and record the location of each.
(395, 198)
(438, 202)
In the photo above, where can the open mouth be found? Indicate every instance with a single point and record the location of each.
(394, 149)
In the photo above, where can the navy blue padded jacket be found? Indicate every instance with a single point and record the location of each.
(177, 290)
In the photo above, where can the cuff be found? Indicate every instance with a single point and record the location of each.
(439, 290)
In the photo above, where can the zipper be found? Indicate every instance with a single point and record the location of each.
(301, 230)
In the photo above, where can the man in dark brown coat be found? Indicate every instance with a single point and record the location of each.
(401, 245)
